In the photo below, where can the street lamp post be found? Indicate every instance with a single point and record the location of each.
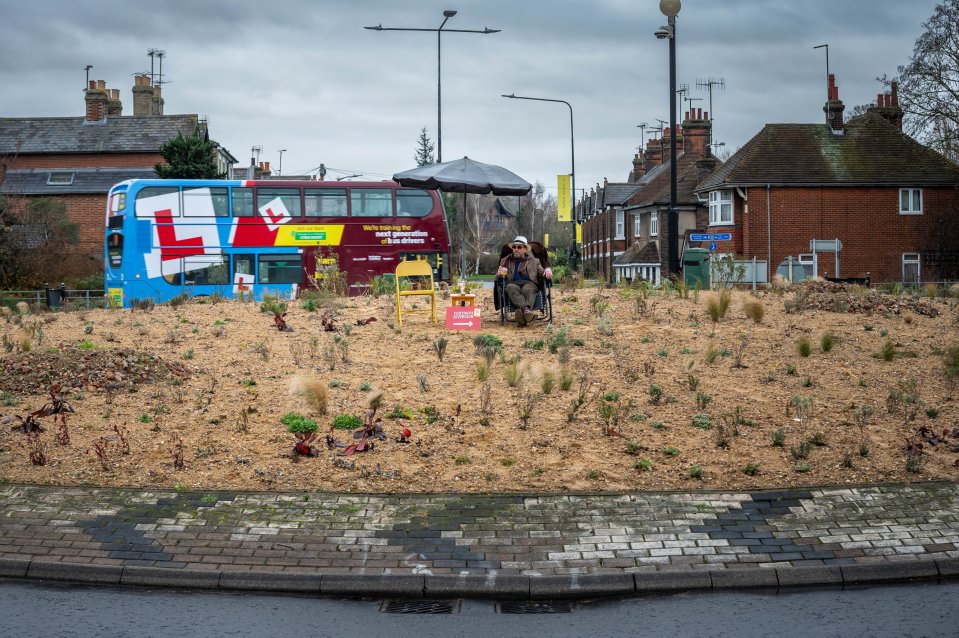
(439, 91)
(670, 8)
(574, 252)
(279, 170)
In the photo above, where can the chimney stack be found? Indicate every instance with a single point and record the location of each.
(142, 94)
(639, 167)
(97, 100)
(679, 142)
(654, 154)
(114, 106)
(834, 106)
(696, 131)
(887, 105)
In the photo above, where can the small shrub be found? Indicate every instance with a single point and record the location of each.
(803, 347)
(565, 379)
(702, 421)
(487, 341)
(754, 310)
(655, 393)
(507, 462)
(604, 326)
(634, 447)
(703, 400)
(932, 413)
(827, 341)
(298, 424)
(801, 452)
(643, 465)
(951, 362)
(346, 422)
(695, 472)
(750, 469)
(887, 352)
(779, 438)
(807, 382)
(671, 451)
(790, 369)
(803, 468)
(818, 439)
(439, 347)
(547, 381)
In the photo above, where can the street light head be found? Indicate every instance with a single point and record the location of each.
(449, 13)
(488, 30)
(511, 95)
(670, 8)
(662, 33)
(378, 27)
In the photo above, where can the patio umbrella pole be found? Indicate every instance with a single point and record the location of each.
(463, 241)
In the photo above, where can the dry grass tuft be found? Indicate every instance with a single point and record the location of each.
(754, 309)
(313, 391)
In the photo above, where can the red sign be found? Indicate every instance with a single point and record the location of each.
(463, 318)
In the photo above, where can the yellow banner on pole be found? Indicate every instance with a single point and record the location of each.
(579, 233)
(562, 198)
(546, 240)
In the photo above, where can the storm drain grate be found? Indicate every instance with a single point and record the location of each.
(420, 606)
(535, 607)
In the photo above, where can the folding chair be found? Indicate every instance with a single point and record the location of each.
(408, 269)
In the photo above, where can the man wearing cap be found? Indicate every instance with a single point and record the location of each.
(522, 272)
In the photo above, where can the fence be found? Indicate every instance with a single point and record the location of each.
(52, 297)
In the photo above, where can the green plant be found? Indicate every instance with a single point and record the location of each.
(534, 344)
(712, 352)
(86, 344)
(634, 447)
(462, 459)
(867, 327)
(827, 341)
(547, 381)
(643, 465)
(659, 425)
(145, 418)
(556, 338)
(932, 413)
(801, 452)
(592, 475)
(779, 438)
(188, 354)
(750, 469)
(818, 439)
(333, 383)
(565, 379)
(807, 382)
(346, 422)
(692, 381)
(507, 462)
(702, 421)
(703, 400)
(803, 347)
(439, 347)
(951, 362)
(365, 387)
(662, 352)
(802, 468)
(655, 393)
(790, 369)
(671, 451)
(695, 472)
(604, 326)
(399, 412)
(482, 370)
(487, 341)
(513, 373)
(298, 424)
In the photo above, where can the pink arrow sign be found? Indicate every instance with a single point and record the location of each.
(463, 318)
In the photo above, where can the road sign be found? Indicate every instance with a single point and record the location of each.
(825, 245)
(722, 236)
(463, 318)
(698, 237)
(712, 245)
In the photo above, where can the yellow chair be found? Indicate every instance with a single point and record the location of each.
(418, 268)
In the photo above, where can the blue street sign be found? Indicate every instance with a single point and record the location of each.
(696, 237)
(712, 245)
(722, 236)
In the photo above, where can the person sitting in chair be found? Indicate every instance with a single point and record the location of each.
(522, 272)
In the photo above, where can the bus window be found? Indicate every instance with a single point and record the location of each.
(115, 249)
(243, 202)
(171, 271)
(371, 202)
(325, 202)
(205, 270)
(243, 264)
(289, 196)
(281, 269)
(206, 202)
(172, 203)
(413, 203)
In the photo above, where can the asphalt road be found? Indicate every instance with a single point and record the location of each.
(37, 610)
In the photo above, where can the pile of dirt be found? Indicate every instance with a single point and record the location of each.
(76, 368)
(848, 298)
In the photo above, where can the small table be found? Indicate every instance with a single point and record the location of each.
(468, 299)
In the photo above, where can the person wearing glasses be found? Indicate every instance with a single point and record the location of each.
(522, 272)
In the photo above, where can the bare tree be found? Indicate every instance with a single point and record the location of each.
(929, 83)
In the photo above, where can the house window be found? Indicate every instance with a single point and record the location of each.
(620, 224)
(720, 207)
(910, 201)
(653, 224)
(808, 263)
(59, 179)
(637, 228)
(910, 268)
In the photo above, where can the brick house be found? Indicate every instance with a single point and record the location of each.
(77, 159)
(625, 223)
(892, 203)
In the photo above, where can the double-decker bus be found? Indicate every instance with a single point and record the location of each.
(167, 237)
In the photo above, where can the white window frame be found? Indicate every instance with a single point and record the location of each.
(620, 224)
(637, 225)
(60, 178)
(720, 203)
(912, 259)
(809, 260)
(913, 201)
(654, 224)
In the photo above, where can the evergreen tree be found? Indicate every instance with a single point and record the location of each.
(188, 157)
(424, 150)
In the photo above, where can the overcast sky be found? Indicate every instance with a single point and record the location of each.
(303, 75)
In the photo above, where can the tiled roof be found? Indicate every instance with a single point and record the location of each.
(33, 181)
(130, 134)
(617, 194)
(638, 253)
(655, 184)
(870, 151)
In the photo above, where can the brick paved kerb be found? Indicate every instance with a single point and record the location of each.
(480, 545)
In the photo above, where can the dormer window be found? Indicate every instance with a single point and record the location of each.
(59, 178)
(720, 208)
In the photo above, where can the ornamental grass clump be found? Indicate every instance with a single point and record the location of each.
(754, 309)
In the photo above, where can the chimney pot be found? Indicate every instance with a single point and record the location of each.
(101, 84)
(895, 93)
(93, 84)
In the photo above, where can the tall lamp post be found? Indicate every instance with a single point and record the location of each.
(439, 92)
(279, 171)
(574, 252)
(670, 8)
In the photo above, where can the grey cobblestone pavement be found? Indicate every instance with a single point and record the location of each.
(503, 544)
